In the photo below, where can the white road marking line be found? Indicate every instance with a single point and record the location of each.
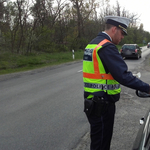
(80, 71)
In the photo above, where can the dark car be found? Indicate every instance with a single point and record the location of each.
(142, 141)
(131, 50)
(148, 45)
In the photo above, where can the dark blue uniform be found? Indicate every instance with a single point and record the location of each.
(102, 127)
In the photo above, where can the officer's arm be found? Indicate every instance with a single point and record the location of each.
(114, 64)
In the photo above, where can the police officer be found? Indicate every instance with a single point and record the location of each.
(103, 72)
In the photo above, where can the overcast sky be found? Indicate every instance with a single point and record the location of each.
(140, 7)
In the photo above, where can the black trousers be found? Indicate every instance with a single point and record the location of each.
(102, 129)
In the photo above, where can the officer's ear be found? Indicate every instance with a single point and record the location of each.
(114, 29)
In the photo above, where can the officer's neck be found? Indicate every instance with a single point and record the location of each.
(108, 35)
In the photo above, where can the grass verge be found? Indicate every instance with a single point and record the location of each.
(10, 63)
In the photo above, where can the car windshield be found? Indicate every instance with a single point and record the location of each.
(130, 47)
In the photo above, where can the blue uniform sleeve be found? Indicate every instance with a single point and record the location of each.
(114, 63)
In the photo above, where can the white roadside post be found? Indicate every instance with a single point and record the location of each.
(73, 54)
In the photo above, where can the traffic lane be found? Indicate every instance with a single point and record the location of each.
(145, 51)
(46, 117)
(144, 48)
(31, 85)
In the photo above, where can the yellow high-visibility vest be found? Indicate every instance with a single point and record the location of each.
(95, 77)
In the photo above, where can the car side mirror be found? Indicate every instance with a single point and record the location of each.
(142, 94)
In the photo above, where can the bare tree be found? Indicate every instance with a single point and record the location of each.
(83, 9)
(118, 9)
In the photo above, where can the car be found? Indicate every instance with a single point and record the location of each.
(131, 50)
(148, 45)
(142, 140)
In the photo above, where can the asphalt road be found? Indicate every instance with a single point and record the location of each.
(43, 110)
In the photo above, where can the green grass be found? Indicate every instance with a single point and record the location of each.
(10, 63)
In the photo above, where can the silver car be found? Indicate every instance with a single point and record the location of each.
(142, 141)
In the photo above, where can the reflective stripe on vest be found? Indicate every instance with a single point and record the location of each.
(102, 86)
